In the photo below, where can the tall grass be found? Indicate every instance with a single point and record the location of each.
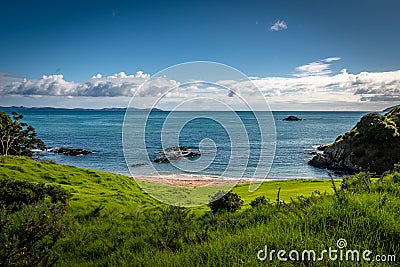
(363, 211)
(177, 237)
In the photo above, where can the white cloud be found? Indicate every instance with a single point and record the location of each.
(6, 79)
(331, 59)
(119, 84)
(313, 69)
(279, 26)
(364, 86)
(317, 68)
(313, 85)
(378, 86)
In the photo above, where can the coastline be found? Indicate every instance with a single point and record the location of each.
(204, 180)
(294, 145)
(194, 181)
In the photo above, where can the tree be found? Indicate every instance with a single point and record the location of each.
(227, 201)
(16, 137)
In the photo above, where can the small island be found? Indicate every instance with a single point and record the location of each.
(292, 118)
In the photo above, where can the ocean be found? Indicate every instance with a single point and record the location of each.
(101, 132)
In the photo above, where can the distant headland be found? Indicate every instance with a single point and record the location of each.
(22, 108)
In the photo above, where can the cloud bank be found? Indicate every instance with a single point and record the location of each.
(119, 84)
(312, 82)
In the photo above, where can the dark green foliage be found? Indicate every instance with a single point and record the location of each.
(259, 201)
(373, 145)
(374, 127)
(389, 182)
(96, 211)
(227, 201)
(16, 137)
(394, 115)
(30, 222)
(28, 235)
(15, 193)
(360, 182)
(173, 227)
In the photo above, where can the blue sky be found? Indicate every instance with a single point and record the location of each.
(79, 39)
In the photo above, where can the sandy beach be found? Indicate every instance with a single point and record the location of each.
(190, 180)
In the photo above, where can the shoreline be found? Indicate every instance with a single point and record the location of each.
(200, 180)
(190, 180)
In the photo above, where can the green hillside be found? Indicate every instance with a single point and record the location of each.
(91, 188)
(112, 222)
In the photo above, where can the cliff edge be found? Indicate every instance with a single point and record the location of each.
(372, 145)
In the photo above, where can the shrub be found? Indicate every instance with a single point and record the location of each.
(360, 182)
(15, 193)
(174, 227)
(30, 222)
(28, 235)
(261, 200)
(227, 201)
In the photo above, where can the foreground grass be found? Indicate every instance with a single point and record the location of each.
(111, 221)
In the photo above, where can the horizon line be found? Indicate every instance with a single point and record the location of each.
(161, 110)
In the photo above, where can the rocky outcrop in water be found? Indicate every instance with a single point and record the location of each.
(69, 151)
(292, 118)
(175, 153)
(373, 145)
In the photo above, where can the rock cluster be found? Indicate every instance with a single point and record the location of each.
(175, 153)
(292, 118)
(69, 151)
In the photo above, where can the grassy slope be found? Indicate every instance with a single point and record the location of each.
(122, 233)
(93, 188)
(89, 188)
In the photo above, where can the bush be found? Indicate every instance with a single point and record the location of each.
(28, 235)
(259, 201)
(173, 227)
(227, 201)
(30, 222)
(360, 182)
(15, 193)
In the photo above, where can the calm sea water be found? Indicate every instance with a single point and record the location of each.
(101, 132)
